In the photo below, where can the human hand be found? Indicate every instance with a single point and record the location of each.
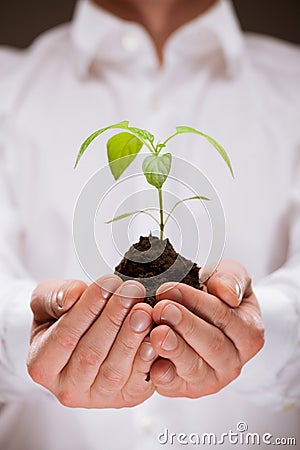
(204, 338)
(88, 344)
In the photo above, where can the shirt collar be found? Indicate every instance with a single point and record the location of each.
(97, 34)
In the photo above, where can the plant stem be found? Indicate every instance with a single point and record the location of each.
(161, 214)
(168, 139)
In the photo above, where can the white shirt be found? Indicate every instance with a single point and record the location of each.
(98, 70)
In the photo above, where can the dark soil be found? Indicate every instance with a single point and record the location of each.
(152, 262)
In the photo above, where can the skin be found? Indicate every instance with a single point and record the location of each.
(65, 354)
(94, 352)
(90, 345)
(209, 335)
(159, 18)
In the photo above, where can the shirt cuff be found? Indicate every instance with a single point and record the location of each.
(15, 324)
(272, 376)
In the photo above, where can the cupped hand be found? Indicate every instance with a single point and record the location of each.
(204, 338)
(89, 344)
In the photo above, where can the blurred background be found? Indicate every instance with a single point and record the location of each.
(21, 21)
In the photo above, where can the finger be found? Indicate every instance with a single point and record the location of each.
(200, 303)
(144, 359)
(51, 350)
(247, 331)
(187, 374)
(206, 340)
(94, 346)
(204, 305)
(242, 325)
(231, 282)
(145, 356)
(118, 369)
(165, 379)
(54, 297)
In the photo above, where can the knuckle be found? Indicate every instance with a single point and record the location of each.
(166, 376)
(215, 388)
(36, 372)
(210, 386)
(256, 332)
(190, 328)
(67, 398)
(232, 371)
(64, 337)
(230, 375)
(88, 357)
(93, 310)
(136, 394)
(112, 378)
(216, 383)
(255, 338)
(196, 368)
(236, 371)
(73, 289)
(259, 336)
(221, 316)
(128, 347)
(133, 398)
(217, 343)
(115, 320)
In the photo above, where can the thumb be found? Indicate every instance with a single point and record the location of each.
(52, 298)
(230, 282)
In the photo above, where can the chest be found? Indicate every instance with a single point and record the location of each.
(254, 203)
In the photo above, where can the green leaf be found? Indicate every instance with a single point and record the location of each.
(156, 169)
(123, 216)
(122, 148)
(142, 133)
(218, 147)
(86, 143)
(195, 197)
(159, 147)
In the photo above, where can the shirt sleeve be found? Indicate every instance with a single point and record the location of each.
(273, 375)
(16, 284)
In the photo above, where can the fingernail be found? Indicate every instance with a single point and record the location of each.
(168, 376)
(109, 286)
(140, 321)
(169, 291)
(60, 296)
(233, 285)
(170, 342)
(171, 314)
(129, 293)
(147, 352)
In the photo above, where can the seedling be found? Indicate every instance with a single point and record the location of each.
(122, 149)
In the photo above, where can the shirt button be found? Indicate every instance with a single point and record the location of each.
(130, 41)
(147, 424)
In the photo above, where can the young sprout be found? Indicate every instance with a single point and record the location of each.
(122, 148)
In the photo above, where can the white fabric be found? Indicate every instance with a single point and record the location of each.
(241, 89)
